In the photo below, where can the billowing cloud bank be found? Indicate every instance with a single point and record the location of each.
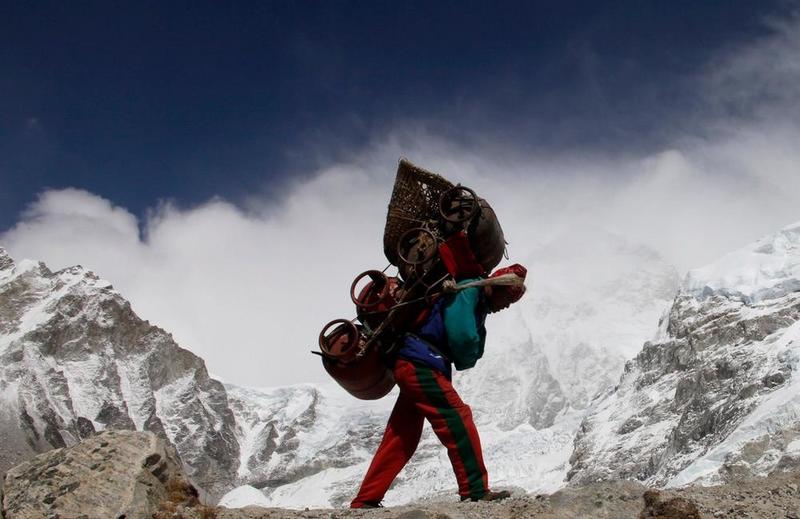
(248, 290)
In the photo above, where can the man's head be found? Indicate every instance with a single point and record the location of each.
(500, 297)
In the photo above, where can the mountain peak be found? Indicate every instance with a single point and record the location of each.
(6, 262)
(75, 359)
(768, 268)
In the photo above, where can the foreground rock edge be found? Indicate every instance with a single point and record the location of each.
(773, 496)
(135, 474)
(112, 474)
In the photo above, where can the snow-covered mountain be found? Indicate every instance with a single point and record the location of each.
(712, 396)
(75, 358)
(716, 396)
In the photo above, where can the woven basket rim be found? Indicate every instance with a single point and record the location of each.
(413, 203)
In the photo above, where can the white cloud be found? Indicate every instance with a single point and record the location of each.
(247, 293)
(250, 290)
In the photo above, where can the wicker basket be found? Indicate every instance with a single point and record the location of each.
(414, 203)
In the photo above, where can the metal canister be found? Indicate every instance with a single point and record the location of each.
(365, 376)
(376, 298)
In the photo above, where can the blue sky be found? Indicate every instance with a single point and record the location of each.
(138, 102)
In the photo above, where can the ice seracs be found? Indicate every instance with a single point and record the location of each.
(767, 269)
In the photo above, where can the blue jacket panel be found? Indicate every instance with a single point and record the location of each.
(453, 331)
(418, 350)
(464, 317)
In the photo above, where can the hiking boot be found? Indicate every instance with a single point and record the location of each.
(490, 496)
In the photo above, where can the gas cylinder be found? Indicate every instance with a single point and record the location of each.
(462, 210)
(366, 377)
(376, 298)
(418, 256)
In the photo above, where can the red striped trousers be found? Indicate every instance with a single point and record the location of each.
(425, 394)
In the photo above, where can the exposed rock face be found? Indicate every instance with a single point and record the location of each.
(76, 359)
(716, 396)
(112, 474)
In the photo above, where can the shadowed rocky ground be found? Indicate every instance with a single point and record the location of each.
(773, 497)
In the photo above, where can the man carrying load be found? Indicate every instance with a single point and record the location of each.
(412, 328)
(453, 332)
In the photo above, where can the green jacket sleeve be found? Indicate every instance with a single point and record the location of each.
(464, 325)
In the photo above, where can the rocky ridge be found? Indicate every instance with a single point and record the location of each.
(75, 359)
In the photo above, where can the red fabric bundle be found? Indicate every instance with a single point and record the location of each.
(516, 292)
(458, 258)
